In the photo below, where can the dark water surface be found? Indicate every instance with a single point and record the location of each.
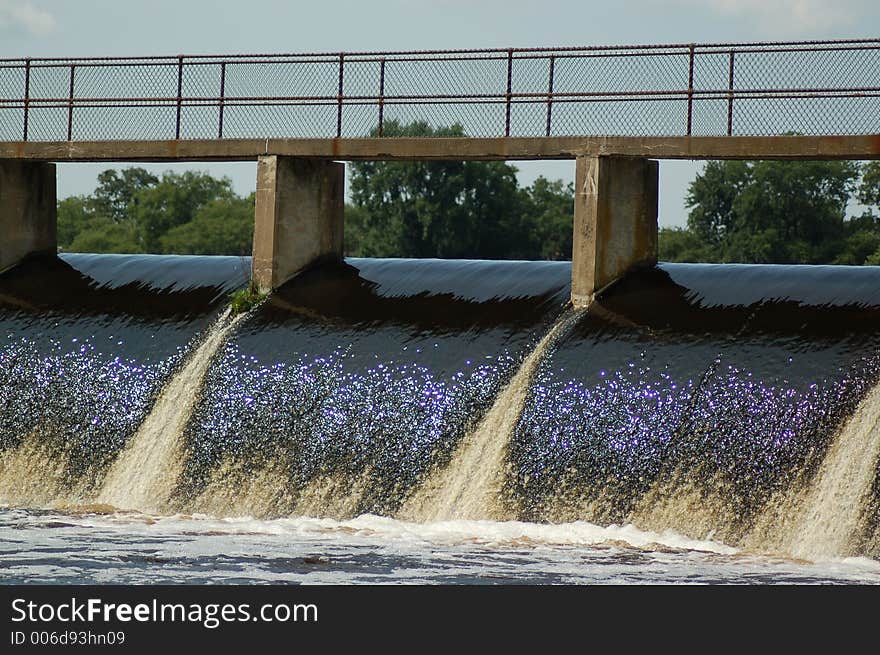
(724, 382)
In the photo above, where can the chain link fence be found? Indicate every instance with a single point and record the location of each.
(815, 88)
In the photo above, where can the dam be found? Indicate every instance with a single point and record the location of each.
(715, 419)
(608, 419)
(614, 111)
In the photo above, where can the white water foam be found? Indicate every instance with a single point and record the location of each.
(386, 530)
(133, 548)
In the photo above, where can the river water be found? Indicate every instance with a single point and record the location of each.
(428, 421)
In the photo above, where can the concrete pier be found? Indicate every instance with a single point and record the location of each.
(298, 217)
(27, 210)
(615, 222)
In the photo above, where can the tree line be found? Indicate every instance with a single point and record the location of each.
(739, 211)
(134, 211)
(397, 209)
(780, 212)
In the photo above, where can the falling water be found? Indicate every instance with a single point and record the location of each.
(235, 489)
(31, 475)
(144, 473)
(819, 520)
(830, 514)
(469, 486)
(721, 406)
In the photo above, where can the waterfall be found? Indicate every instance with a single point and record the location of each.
(145, 472)
(469, 486)
(829, 516)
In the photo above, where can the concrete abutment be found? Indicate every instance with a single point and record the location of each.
(27, 210)
(298, 217)
(615, 222)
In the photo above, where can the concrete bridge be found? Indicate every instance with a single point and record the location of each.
(614, 111)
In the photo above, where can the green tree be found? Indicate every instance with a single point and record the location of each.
(117, 191)
(224, 226)
(712, 197)
(357, 231)
(859, 247)
(172, 202)
(862, 245)
(84, 226)
(549, 209)
(452, 209)
(104, 235)
(676, 244)
(772, 211)
(135, 211)
(869, 189)
(74, 215)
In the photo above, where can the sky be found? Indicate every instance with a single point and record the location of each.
(80, 28)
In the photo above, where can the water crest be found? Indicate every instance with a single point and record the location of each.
(731, 404)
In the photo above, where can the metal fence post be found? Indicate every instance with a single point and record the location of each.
(222, 98)
(339, 96)
(381, 95)
(690, 89)
(179, 93)
(27, 96)
(730, 98)
(550, 93)
(509, 90)
(70, 104)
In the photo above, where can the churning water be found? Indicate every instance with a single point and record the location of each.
(438, 421)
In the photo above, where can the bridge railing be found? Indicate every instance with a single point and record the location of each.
(816, 87)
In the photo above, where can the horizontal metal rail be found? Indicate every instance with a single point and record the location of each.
(715, 89)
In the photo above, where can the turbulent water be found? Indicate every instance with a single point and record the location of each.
(438, 421)
(144, 474)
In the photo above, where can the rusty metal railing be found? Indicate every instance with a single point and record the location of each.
(808, 87)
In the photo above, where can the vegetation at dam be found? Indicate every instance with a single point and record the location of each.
(779, 212)
(244, 300)
(740, 211)
(134, 211)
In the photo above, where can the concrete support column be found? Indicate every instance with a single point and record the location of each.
(27, 211)
(615, 222)
(298, 217)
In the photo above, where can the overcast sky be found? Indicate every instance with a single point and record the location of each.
(65, 28)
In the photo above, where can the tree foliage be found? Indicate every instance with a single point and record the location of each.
(453, 209)
(761, 212)
(117, 191)
(787, 212)
(134, 211)
(399, 209)
(869, 191)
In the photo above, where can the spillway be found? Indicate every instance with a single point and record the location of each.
(729, 404)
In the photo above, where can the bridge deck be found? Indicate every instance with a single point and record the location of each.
(503, 148)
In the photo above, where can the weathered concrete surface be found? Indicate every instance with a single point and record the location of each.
(512, 148)
(298, 217)
(615, 222)
(27, 211)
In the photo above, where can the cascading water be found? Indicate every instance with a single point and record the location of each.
(87, 351)
(831, 513)
(690, 403)
(691, 408)
(470, 485)
(144, 474)
(352, 384)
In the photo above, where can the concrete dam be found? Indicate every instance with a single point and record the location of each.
(453, 421)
